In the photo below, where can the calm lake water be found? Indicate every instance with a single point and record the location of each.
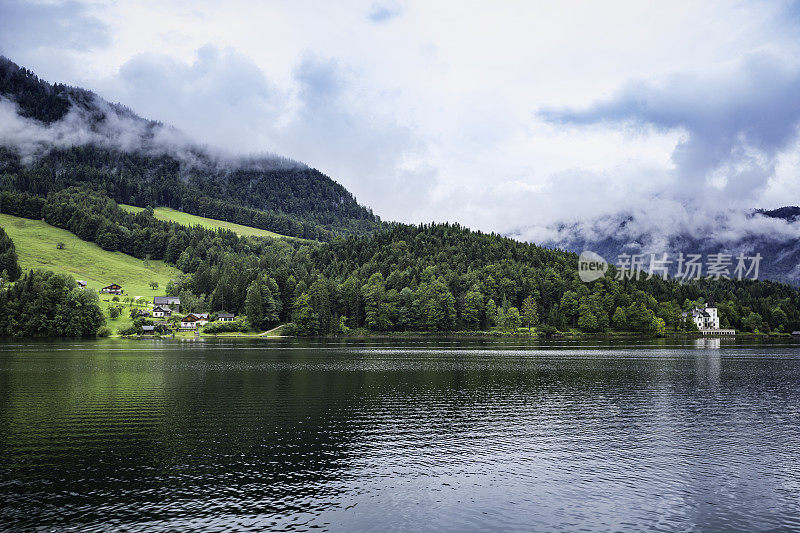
(407, 435)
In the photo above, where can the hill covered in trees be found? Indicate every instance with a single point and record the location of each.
(433, 278)
(70, 158)
(65, 136)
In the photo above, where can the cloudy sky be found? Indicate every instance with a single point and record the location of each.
(504, 116)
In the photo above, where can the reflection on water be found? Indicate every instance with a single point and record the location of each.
(414, 435)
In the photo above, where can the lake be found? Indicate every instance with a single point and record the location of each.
(289, 435)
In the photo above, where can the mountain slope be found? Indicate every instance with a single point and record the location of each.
(36, 244)
(55, 136)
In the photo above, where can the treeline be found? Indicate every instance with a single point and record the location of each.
(295, 201)
(9, 267)
(45, 304)
(435, 278)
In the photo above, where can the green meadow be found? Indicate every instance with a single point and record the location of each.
(185, 219)
(37, 247)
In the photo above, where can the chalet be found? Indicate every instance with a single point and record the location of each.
(225, 317)
(161, 311)
(112, 289)
(189, 322)
(173, 303)
(149, 330)
(81, 284)
(194, 320)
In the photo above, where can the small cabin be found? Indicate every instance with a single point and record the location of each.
(81, 284)
(112, 289)
(226, 317)
(149, 330)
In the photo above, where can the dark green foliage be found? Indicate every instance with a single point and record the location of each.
(9, 267)
(435, 278)
(44, 304)
(241, 325)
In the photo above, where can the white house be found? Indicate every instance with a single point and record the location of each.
(707, 320)
(225, 317)
(161, 311)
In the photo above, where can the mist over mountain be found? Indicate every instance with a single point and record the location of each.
(53, 136)
(774, 234)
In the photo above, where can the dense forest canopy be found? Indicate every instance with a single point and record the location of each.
(45, 304)
(440, 277)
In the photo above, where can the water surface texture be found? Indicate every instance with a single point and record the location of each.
(405, 435)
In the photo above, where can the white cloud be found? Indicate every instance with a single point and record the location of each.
(428, 110)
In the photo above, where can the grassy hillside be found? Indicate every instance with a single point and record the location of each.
(185, 219)
(36, 246)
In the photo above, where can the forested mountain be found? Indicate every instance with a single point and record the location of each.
(65, 136)
(71, 157)
(435, 278)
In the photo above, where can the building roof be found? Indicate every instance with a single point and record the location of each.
(148, 328)
(225, 315)
(192, 317)
(162, 308)
(167, 300)
(113, 286)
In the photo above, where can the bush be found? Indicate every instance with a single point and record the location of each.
(114, 311)
(130, 330)
(240, 324)
(104, 331)
(546, 330)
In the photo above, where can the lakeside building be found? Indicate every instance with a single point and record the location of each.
(707, 320)
(194, 320)
(226, 317)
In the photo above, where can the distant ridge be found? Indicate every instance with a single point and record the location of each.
(59, 136)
